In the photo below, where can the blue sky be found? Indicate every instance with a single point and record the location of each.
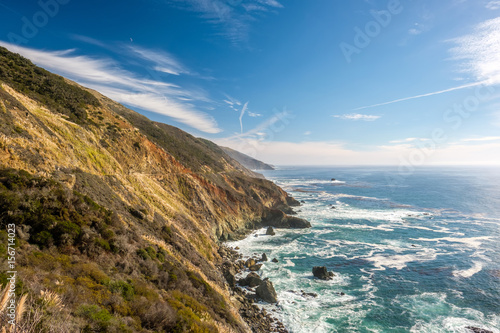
(411, 82)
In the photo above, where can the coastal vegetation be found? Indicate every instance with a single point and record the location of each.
(119, 220)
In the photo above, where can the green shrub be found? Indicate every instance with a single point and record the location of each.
(103, 243)
(161, 255)
(65, 233)
(47, 88)
(151, 252)
(123, 288)
(142, 254)
(43, 238)
(98, 318)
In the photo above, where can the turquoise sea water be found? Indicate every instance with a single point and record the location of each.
(417, 254)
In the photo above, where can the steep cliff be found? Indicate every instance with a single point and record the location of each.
(118, 218)
(247, 161)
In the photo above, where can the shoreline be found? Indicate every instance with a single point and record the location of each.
(258, 319)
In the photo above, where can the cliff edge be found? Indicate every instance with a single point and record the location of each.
(118, 218)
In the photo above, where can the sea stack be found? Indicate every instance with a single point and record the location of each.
(321, 273)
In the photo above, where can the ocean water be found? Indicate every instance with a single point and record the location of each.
(418, 253)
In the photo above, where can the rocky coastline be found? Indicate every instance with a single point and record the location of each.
(258, 320)
(252, 288)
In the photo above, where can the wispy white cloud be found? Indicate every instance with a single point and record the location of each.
(479, 52)
(89, 40)
(163, 61)
(243, 109)
(357, 116)
(107, 77)
(254, 115)
(233, 18)
(482, 139)
(261, 132)
(272, 3)
(493, 5)
(414, 31)
(407, 140)
(336, 153)
(479, 56)
(233, 103)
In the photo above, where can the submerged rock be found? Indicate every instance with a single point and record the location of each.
(266, 292)
(478, 330)
(321, 273)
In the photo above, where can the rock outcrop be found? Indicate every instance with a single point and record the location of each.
(270, 231)
(321, 273)
(278, 219)
(252, 280)
(266, 292)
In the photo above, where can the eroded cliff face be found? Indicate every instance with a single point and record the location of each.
(120, 217)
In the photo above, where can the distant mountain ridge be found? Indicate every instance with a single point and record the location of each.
(247, 161)
(119, 218)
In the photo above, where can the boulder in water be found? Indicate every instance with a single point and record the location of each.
(321, 273)
(251, 280)
(478, 330)
(250, 262)
(266, 292)
(270, 231)
(255, 267)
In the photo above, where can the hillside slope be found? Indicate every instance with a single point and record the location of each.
(247, 161)
(118, 218)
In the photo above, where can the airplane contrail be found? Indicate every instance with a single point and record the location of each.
(423, 95)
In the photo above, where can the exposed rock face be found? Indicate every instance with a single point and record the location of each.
(270, 231)
(321, 273)
(264, 257)
(229, 276)
(250, 262)
(251, 280)
(255, 267)
(274, 260)
(278, 219)
(266, 292)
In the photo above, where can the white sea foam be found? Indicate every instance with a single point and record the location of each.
(467, 273)
(432, 312)
(474, 242)
(399, 261)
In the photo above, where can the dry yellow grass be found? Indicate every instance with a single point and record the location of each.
(21, 308)
(4, 297)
